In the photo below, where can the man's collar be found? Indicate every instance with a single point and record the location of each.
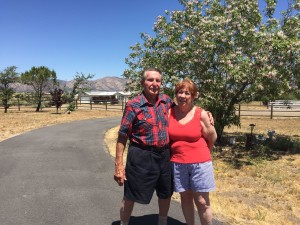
(144, 100)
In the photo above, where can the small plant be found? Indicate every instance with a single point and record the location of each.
(71, 107)
(260, 216)
(280, 143)
(296, 147)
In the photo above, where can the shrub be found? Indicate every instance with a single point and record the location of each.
(280, 143)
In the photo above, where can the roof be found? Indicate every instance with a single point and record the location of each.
(101, 93)
(125, 93)
(105, 93)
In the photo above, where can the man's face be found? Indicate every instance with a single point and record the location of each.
(152, 84)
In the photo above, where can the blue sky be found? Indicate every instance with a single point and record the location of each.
(69, 36)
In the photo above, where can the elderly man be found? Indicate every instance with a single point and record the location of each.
(148, 167)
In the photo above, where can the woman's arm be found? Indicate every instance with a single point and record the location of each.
(208, 130)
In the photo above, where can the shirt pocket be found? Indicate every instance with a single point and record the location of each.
(146, 121)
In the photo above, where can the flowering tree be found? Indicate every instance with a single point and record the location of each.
(229, 48)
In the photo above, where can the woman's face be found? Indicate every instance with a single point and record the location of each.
(184, 97)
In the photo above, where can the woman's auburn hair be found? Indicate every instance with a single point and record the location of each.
(189, 84)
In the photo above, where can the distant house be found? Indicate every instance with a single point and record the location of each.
(124, 96)
(113, 97)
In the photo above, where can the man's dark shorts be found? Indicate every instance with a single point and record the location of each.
(146, 171)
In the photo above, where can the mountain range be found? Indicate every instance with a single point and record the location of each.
(102, 84)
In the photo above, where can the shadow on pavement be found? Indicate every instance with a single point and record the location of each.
(148, 220)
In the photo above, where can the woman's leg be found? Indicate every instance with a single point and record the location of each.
(203, 205)
(187, 205)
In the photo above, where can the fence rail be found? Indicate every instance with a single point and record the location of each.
(100, 105)
(85, 106)
(270, 111)
(241, 109)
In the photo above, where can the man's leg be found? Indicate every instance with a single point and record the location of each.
(126, 210)
(164, 205)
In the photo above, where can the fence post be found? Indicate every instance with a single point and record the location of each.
(239, 110)
(19, 104)
(271, 111)
(91, 104)
(106, 105)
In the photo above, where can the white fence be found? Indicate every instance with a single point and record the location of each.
(273, 109)
(285, 104)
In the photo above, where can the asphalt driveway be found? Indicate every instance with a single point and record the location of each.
(63, 175)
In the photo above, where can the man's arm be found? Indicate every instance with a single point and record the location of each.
(119, 175)
(208, 130)
(211, 118)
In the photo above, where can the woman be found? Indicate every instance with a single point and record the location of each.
(192, 138)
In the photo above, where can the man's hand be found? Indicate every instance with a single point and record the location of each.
(211, 118)
(119, 175)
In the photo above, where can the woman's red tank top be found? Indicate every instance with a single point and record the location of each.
(187, 142)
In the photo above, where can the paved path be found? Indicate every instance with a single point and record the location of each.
(63, 175)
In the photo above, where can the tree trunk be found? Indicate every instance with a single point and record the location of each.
(38, 106)
(5, 105)
(219, 131)
(219, 126)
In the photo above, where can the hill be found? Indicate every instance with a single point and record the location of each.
(102, 84)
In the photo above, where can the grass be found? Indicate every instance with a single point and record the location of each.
(260, 190)
(253, 188)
